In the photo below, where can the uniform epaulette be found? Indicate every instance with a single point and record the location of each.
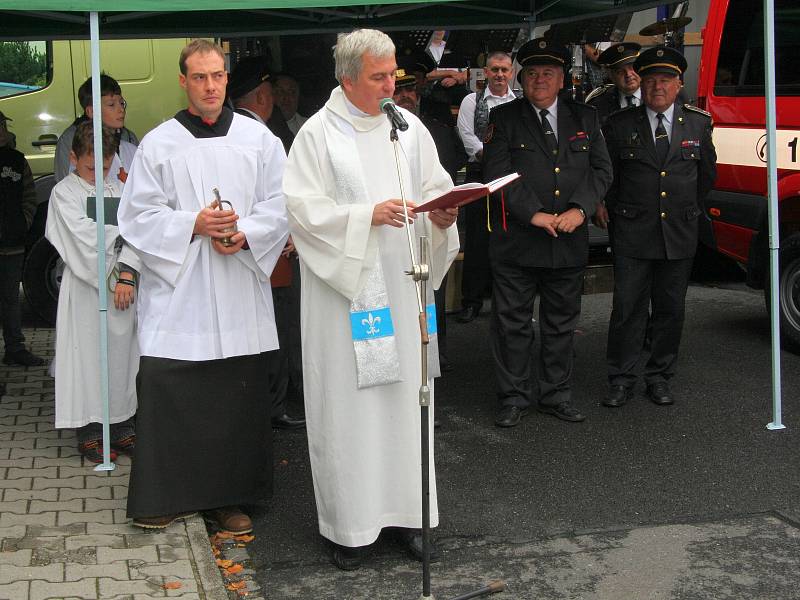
(622, 111)
(599, 91)
(697, 110)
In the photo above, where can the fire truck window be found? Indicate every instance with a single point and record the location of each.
(740, 67)
(24, 67)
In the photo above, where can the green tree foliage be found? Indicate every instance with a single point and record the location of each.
(22, 63)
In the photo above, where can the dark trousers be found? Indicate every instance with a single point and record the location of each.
(439, 297)
(476, 277)
(512, 335)
(10, 276)
(649, 304)
(286, 363)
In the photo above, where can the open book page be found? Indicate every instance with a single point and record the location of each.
(466, 193)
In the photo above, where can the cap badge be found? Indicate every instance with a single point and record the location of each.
(620, 49)
(659, 53)
(542, 44)
(400, 73)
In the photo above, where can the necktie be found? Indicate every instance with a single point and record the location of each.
(662, 141)
(629, 100)
(549, 134)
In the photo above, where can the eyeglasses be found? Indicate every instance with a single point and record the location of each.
(116, 104)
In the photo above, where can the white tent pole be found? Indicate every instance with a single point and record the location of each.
(102, 293)
(772, 206)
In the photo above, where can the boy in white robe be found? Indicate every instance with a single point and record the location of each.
(74, 235)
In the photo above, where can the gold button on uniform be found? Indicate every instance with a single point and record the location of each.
(556, 170)
(663, 215)
(663, 173)
(663, 194)
(557, 193)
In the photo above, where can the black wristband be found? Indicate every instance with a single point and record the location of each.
(126, 282)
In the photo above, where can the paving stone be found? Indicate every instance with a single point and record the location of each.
(24, 428)
(8, 409)
(42, 483)
(4, 436)
(107, 539)
(86, 589)
(108, 555)
(24, 452)
(18, 484)
(9, 519)
(18, 558)
(66, 517)
(118, 570)
(121, 516)
(52, 573)
(11, 494)
(111, 587)
(93, 504)
(167, 553)
(15, 591)
(172, 540)
(45, 443)
(15, 531)
(69, 451)
(87, 470)
(39, 435)
(73, 529)
(44, 506)
(98, 493)
(179, 569)
(19, 507)
(51, 545)
(5, 453)
(42, 461)
(110, 478)
(22, 463)
(120, 491)
(103, 528)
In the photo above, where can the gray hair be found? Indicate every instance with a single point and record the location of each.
(350, 47)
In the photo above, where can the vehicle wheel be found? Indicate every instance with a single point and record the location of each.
(788, 292)
(41, 279)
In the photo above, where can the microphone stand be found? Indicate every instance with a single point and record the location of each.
(420, 273)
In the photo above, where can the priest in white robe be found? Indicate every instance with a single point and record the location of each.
(206, 319)
(346, 218)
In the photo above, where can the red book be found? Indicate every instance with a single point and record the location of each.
(466, 193)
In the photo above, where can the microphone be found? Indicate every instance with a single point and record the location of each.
(388, 107)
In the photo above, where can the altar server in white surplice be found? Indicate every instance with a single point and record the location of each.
(360, 333)
(206, 321)
(79, 403)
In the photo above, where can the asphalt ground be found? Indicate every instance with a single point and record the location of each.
(697, 500)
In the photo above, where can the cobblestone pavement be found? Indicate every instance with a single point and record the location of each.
(63, 530)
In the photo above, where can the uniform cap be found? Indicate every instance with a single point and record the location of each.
(619, 54)
(408, 64)
(247, 75)
(660, 59)
(542, 52)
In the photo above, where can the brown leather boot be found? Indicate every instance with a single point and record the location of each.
(161, 522)
(231, 519)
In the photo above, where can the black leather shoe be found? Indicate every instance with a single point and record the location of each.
(287, 422)
(564, 411)
(411, 539)
(659, 393)
(345, 557)
(618, 395)
(510, 416)
(470, 313)
(22, 358)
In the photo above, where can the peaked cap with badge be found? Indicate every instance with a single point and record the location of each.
(619, 55)
(409, 63)
(660, 59)
(542, 52)
(247, 75)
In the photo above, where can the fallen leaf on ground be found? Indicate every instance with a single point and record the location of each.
(233, 569)
(224, 563)
(245, 538)
(237, 585)
(172, 585)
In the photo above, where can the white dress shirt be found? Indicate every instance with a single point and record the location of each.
(466, 119)
(623, 101)
(552, 116)
(668, 114)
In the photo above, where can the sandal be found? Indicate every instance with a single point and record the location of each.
(93, 451)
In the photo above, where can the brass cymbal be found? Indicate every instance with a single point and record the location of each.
(665, 25)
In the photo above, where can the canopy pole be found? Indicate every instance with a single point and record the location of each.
(773, 212)
(99, 188)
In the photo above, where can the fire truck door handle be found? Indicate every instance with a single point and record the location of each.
(49, 139)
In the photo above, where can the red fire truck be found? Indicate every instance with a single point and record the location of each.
(731, 88)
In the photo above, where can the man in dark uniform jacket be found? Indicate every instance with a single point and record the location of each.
(540, 240)
(623, 92)
(664, 166)
(250, 90)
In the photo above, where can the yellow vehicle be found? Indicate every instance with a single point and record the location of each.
(39, 83)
